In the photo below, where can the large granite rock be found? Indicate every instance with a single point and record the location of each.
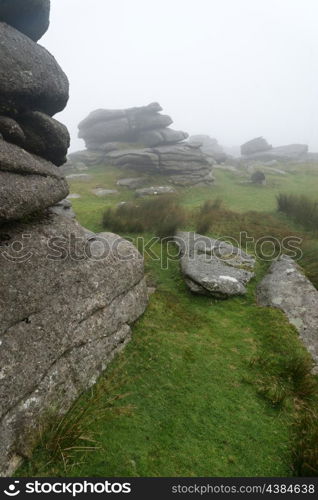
(28, 183)
(31, 17)
(213, 267)
(66, 306)
(30, 78)
(286, 287)
(209, 146)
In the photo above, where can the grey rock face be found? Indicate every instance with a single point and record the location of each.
(104, 115)
(212, 267)
(285, 287)
(30, 78)
(186, 164)
(155, 191)
(66, 309)
(138, 126)
(28, 183)
(257, 145)
(31, 17)
(103, 126)
(11, 131)
(45, 136)
(152, 138)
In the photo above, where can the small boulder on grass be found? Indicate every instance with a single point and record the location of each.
(258, 177)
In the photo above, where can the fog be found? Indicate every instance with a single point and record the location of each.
(232, 69)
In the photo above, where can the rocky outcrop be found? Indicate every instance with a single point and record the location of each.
(68, 297)
(210, 147)
(286, 287)
(257, 145)
(213, 267)
(144, 125)
(116, 137)
(290, 153)
(184, 163)
(66, 306)
(259, 150)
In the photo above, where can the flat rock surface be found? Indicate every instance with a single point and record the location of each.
(212, 267)
(287, 288)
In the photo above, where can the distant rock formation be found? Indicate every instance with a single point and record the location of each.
(139, 139)
(257, 145)
(144, 125)
(286, 287)
(185, 164)
(259, 150)
(213, 267)
(209, 146)
(67, 296)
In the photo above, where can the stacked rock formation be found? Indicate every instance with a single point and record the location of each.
(143, 125)
(32, 89)
(67, 296)
(152, 146)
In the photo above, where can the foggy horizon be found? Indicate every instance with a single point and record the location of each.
(232, 70)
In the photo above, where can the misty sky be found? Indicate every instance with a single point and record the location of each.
(232, 69)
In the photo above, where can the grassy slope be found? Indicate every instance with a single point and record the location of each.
(186, 374)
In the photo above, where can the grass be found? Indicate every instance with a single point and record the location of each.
(163, 215)
(212, 388)
(300, 208)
